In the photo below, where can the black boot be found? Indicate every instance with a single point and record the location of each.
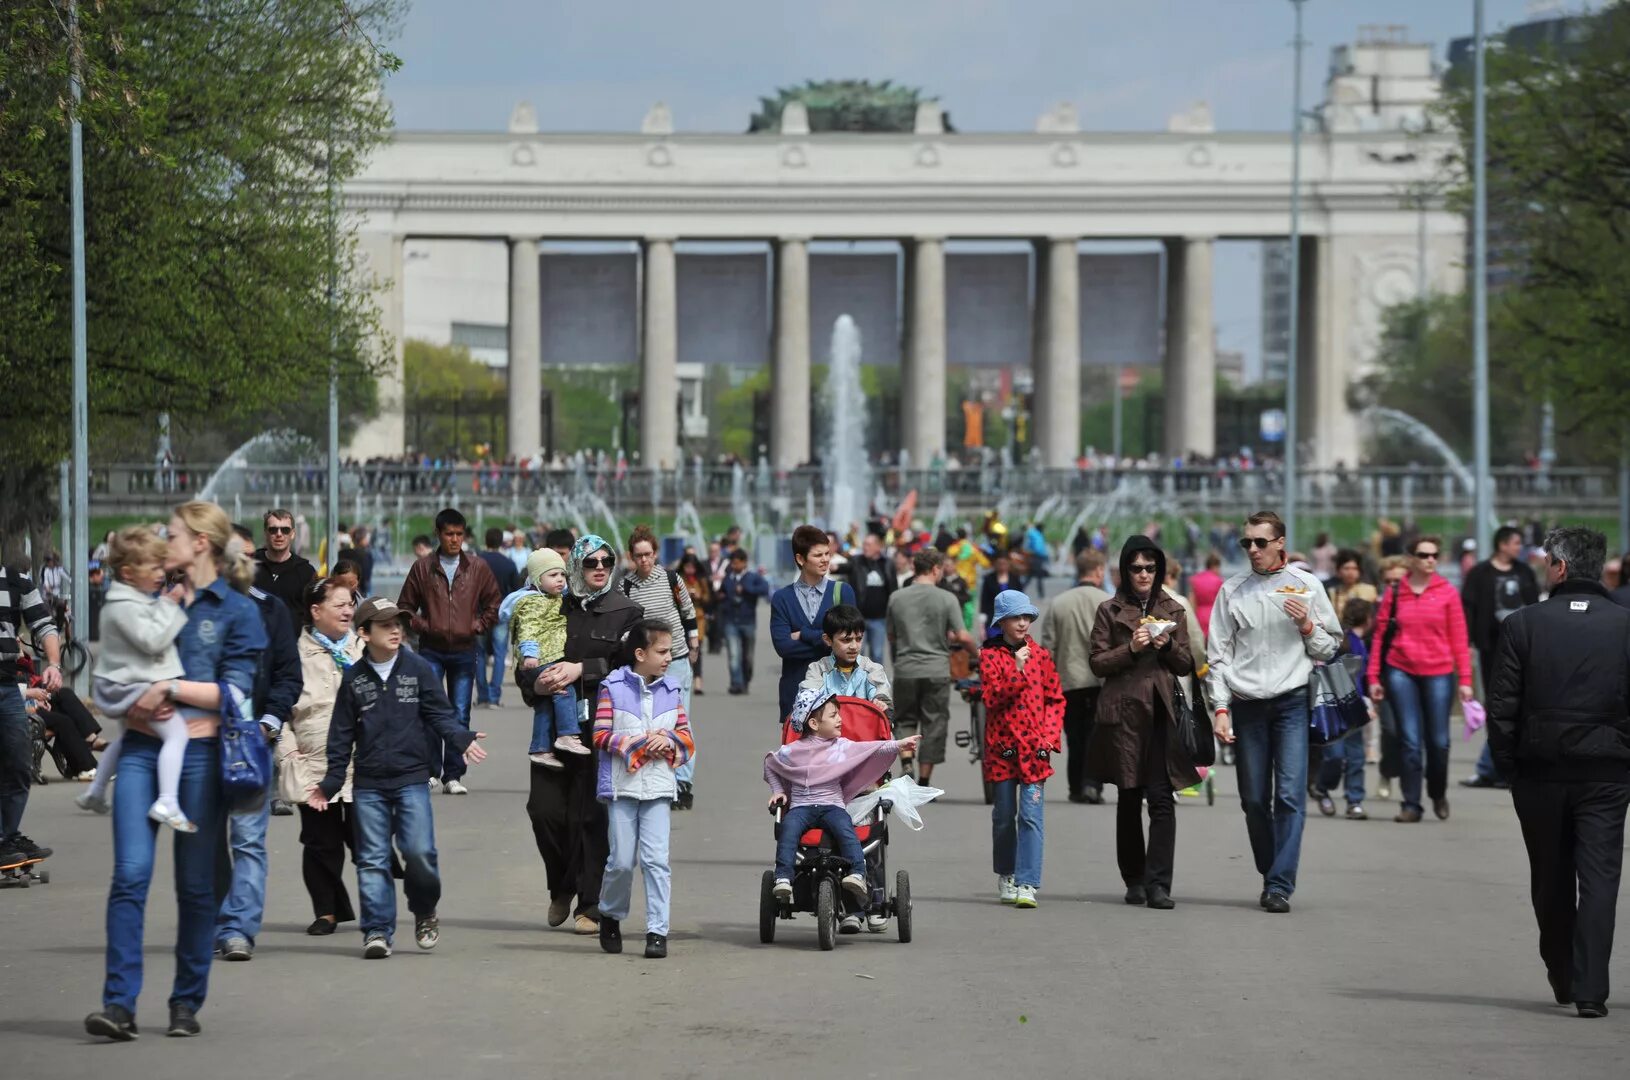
(1160, 898)
(611, 934)
(656, 946)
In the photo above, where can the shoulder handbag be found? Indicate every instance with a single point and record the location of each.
(1335, 708)
(1192, 729)
(1392, 628)
(246, 756)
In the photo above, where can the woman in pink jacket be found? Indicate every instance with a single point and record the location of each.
(1420, 630)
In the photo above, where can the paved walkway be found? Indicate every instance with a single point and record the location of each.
(1411, 952)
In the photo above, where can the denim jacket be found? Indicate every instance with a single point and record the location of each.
(223, 639)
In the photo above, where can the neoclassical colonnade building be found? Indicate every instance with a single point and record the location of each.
(1372, 235)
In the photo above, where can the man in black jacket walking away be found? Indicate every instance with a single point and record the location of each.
(1559, 722)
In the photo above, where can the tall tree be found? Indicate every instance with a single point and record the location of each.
(1559, 197)
(211, 129)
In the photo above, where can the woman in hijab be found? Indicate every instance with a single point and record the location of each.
(568, 822)
(1134, 743)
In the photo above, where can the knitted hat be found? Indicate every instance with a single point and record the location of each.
(1011, 602)
(807, 704)
(540, 562)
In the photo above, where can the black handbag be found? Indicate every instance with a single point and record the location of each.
(1193, 731)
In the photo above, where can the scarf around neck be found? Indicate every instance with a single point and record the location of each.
(336, 649)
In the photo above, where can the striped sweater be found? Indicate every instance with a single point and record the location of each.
(20, 603)
(629, 712)
(661, 596)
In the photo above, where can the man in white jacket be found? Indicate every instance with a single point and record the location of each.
(1269, 625)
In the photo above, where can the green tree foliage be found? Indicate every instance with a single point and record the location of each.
(453, 402)
(588, 406)
(1559, 197)
(210, 128)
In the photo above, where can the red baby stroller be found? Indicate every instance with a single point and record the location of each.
(818, 868)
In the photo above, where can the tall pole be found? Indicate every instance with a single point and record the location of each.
(1293, 345)
(333, 356)
(77, 557)
(1483, 503)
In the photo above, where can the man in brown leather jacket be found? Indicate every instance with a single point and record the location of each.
(453, 599)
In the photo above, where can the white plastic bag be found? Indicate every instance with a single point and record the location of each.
(904, 793)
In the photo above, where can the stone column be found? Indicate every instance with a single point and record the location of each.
(525, 349)
(789, 372)
(659, 362)
(381, 269)
(1191, 361)
(922, 391)
(1057, 351)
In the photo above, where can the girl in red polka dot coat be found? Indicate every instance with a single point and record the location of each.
(1024, 722)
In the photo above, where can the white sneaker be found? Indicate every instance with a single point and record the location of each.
(782, 890)
(1026, 897)
(856, 884)
(167, 814)
(1006, 891)
(547, 759)
(435, 786)
(850, 924)
(96, 804)
(876, 924)
(572, 744)
(456, 787)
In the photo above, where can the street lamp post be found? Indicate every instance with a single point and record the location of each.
(1293, 343)
(333, 354)
(77, 556)
(1483, 501)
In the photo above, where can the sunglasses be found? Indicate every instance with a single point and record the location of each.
(279, 530)
(1425, 554)
(1142, 568)
(1254, 541)
(604, 562)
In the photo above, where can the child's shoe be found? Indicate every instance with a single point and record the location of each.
(427, 931)
(782, 890)
(547, 759)
(572, 744)
(856, 884)
(851, 924)
(1026, 897)
(1006, 891)
(167, 814)
(96, 804)
(656, 946)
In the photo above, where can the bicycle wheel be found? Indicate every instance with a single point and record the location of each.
(74, 658)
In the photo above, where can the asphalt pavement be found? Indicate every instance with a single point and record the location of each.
(1411, 951)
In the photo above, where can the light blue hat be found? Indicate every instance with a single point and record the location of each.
(807, 704)
(1011, 602)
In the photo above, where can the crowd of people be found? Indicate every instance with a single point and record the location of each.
(369, 703)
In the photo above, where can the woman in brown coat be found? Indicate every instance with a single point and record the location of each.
(1134, 741)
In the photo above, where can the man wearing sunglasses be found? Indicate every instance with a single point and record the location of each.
(279, 571)
(1268, 626)
(1559, 723)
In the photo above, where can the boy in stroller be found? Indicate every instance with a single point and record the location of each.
(813, 777)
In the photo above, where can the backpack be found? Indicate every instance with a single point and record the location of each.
(674, 583)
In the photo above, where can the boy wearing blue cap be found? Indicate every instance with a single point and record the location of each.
(1024, 723)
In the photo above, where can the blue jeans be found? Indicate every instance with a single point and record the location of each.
(680, 672)
(1017, 827)
(739, 640)
(833, 820)
(245, 903)
(135, 837)
(459, 671)
(492, 653)
(403, 815)
(877, 639)
(1270, 754)
(637, 828)
(552, 717)
(1422, 703)
(1344, 755)
(17, 750)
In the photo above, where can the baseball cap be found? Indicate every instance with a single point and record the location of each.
(376, 608)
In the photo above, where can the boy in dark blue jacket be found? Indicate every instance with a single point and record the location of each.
(386, 702)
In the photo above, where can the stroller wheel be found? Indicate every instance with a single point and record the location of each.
(826, 914)
(902, 906)
(768, 909)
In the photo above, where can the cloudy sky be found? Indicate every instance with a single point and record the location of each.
(994, 64)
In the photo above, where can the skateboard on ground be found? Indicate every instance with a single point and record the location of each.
(20, 875)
